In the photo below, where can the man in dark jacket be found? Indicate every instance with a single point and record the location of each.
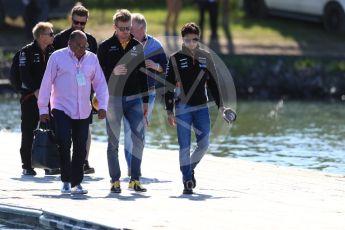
(122, 60)
(79, 16)
(189, 72)
(33, 59)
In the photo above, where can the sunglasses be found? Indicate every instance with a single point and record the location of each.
(187, 40)
(75, 22)
(51, 34)
(125, 28)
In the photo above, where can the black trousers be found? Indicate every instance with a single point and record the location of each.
(212, 8)
(69, 130)
(30, 119)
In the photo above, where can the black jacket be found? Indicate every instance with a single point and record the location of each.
(194, 73)
(32, 64)
(61, 40)
(110, 54)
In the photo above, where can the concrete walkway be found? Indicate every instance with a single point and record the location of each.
(230, 194)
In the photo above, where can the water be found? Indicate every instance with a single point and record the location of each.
(299, 134)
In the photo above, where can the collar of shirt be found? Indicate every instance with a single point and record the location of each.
(71, 53)
(74, 58)
(124, 44)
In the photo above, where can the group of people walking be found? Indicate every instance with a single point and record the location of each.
(60, 73)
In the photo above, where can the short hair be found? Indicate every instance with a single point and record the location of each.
(190, 28)
(122, 15)
(39, 28)
(139, 19)
(79, 10)
(77, 34)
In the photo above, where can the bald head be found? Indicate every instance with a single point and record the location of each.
(77, 34)
(78, 43)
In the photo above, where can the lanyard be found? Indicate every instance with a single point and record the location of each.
(78, 66)
(76, 62)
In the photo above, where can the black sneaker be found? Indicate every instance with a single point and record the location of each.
(52, 172)
(88, 169)
(193, 179)
(188, 187)
(29, 172)
(115, 187)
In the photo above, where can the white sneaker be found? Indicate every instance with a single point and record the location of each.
(78, 189)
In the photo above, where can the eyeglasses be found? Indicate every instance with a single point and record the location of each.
(75, 22)
(51, 34)
(124, 28)
(188, 40)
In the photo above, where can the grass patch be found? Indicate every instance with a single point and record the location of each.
(6, 56)
(263, 31)
(336, 66)
(272, 31)
(306, 63)
(155, 19)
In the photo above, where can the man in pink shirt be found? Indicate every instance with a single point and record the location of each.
(66, 85)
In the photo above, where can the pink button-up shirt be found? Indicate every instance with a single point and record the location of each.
(60, 84)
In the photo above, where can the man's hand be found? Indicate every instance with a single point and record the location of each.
(120, 70)
(44, 118)
(149, 64)
(145, 109)
(146, 112)
(221, 109)
(171, 120)
(101, 114)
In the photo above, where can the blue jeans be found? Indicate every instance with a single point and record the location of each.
(132, 110)
(66, 131)
(186, 118)
(127, 130)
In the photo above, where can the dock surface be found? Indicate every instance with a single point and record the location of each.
(230, 194)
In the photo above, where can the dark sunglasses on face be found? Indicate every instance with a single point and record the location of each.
(125, 28)
(51, 34)
(75, 22)
(188, 40)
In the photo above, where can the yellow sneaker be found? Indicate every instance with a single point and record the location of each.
(136, 186)
(115, 187)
